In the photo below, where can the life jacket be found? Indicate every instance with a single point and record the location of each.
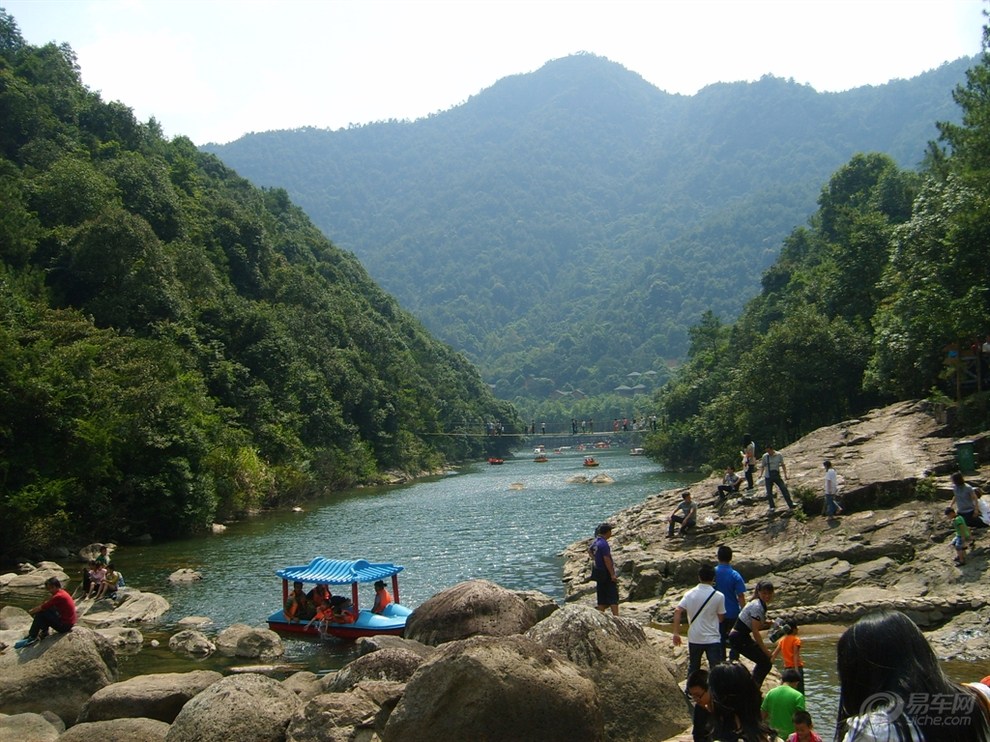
(382, 599)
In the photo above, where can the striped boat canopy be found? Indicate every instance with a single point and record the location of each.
(339, 571)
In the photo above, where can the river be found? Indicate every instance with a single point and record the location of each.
(473, 523)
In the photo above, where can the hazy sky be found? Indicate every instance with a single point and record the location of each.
(214, 70)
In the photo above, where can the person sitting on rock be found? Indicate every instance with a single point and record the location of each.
(730, 485)
(685, 513)
(108, 587)
(58, 612)
(97, 573)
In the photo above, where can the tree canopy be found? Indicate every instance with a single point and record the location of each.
(178, 346)
(862, 305)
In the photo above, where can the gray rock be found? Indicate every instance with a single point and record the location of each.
(125, 640)
(241, 640)
(133, 606)
(496, 688)
(368, 644)
(118, 730)
(359, 714)
(58, 674)
(28, 727)
(393, 664)
(304, 684)
(615, 655)
(36, 578)
(476, 607)
(192, 643)
(157, 696)
(14, 618)
(184, 575)
(246, 708)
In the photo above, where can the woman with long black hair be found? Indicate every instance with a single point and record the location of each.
(893, 688)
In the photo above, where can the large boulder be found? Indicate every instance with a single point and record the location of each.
(386, 664)
(304, 684)
(28, 727)
(497, 688)
(58, 674)
(125, 640)
(13, 618)
(476, 607)
(157, 696)
(117, 730)
(246, 708)
(616, 655)
(133, 606)
(359, 714)
(241, 640)
(36, 578)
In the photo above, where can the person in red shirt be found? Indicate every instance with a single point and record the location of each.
(58, 612)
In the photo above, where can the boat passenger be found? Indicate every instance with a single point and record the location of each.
(298, 607)
(382, 597)
(343, 612)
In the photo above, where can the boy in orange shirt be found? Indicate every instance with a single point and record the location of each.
(789, 647)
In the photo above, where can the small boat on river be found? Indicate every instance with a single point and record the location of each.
(541, 458)
(495, 460)
(326, 572)
(590, 461)
(636, 452)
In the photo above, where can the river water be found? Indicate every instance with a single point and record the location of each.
(505, 523)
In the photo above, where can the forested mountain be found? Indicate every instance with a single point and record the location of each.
(883, 295)
(566, 227)
(178, 346)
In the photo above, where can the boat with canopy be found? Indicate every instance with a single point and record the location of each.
(350, 621)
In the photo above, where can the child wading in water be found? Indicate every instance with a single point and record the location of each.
(789, 648)
(963, 535)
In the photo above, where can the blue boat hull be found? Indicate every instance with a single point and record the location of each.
(392, 621)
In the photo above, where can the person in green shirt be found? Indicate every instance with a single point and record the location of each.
(963, 535)
(780, 703)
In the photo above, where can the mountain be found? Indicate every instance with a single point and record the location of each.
(178, 346)
(565, 227)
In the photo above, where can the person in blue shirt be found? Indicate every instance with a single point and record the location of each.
(731, 584)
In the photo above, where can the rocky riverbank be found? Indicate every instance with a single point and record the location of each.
(890, 548)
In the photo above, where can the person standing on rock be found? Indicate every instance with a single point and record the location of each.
(966, 501)
(731, 584)
(772, 467)
(745, 637)
(748, 460)
(607, 584)
(832, 506)
(705, 606)
(58, 612)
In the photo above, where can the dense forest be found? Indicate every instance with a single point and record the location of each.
(565, 228)
(879, 297)
(178, 346)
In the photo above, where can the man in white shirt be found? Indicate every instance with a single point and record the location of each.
(705, 608)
